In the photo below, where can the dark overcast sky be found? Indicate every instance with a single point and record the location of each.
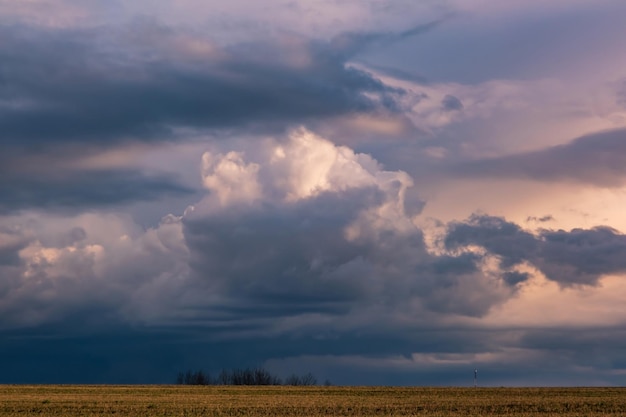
(379, 192)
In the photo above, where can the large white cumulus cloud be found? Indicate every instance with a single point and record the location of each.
(293, 227)
(301, 169)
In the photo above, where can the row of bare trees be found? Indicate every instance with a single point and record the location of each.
(248, 376)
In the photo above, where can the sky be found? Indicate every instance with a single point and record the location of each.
(380, 192)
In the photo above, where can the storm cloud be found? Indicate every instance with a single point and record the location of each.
(323, 270)
(146, 81)
(80, 190)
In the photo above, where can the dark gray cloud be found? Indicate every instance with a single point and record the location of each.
(582, 256)
(505, 239)
(597, 159)
(282, 256)
(78, 189)
(547, 357)
(92, 86)
(578, 256)
(280, 262)
(128, 355)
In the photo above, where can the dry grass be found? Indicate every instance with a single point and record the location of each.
(51, 400)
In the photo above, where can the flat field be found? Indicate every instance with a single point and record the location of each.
(114, 400)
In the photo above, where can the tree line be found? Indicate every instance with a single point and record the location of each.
(248, 376)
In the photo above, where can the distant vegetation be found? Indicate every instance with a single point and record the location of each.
(248, 376)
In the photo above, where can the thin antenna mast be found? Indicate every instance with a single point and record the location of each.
(475, 378)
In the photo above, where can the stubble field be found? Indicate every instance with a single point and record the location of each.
(75, 400)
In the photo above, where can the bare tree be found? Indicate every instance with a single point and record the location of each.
(248, 376)
(308, 379)
(304, 380)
